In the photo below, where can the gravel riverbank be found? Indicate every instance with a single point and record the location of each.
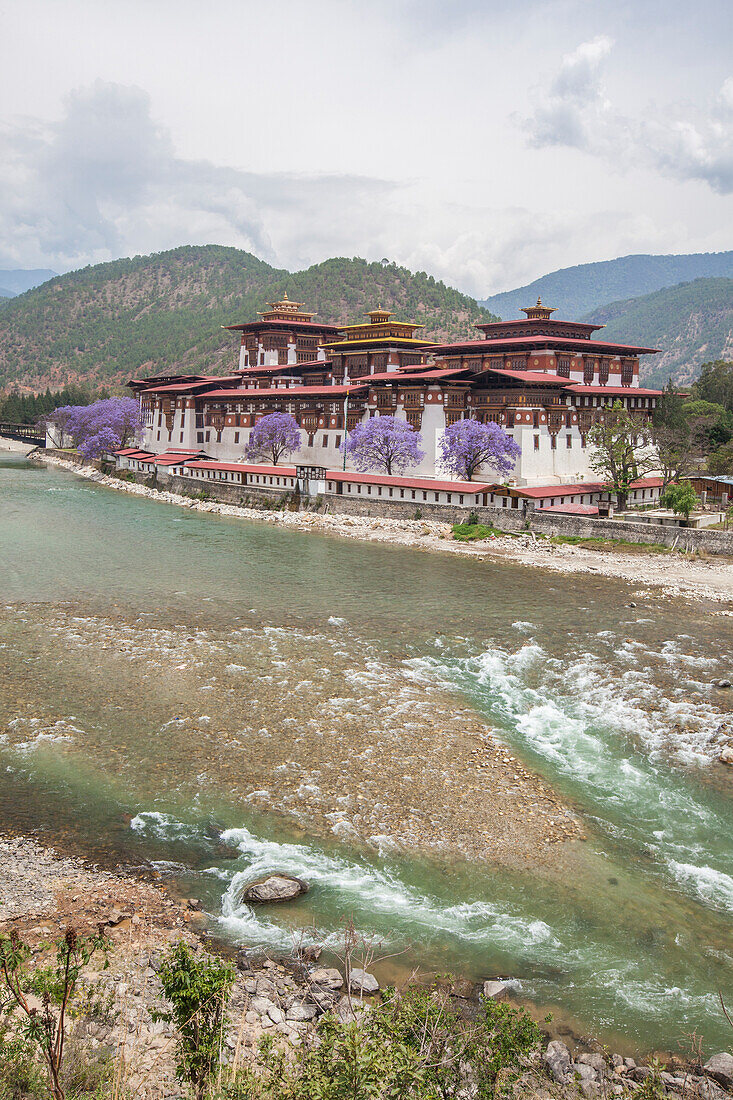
(674, 573)
(42, 894)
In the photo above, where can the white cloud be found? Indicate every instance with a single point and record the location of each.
(576, 112)
(106, 181)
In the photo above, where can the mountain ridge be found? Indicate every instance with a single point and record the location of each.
(691, 323)
(576, 291)
(103, 324)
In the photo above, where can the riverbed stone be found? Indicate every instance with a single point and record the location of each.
(596, 1061)
(276, 887)
(301, 1012)
(720, 1067)
(726, 755)
(557, 1059)
(327, 976)
(362, 982)
(492, 991)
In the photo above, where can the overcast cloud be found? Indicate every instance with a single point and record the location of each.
(483, 143)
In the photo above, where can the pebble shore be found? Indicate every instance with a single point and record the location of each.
(43, 893)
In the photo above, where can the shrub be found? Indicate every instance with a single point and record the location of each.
(413, 1046)
(197, 987)
(55, 985)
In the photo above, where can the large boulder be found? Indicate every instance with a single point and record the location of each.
(276, 887)
(492, 991)
(326, 976)
(362, 982)
(557, 1059)
(720, 1067)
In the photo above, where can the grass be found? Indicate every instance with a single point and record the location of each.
(471, 532)
(610, 544)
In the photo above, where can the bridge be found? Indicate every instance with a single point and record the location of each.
(24, 433)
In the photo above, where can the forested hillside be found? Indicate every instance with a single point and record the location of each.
(575, 291)
(691, 324)
(104, 324)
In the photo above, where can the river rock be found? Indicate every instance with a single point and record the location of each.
(322, 997)
(277, 887)
(276, 1014)
(557, 1060)
(726, 755)
(493, 990)
(301, 1012)
(362, 982)
(594, 1060)
(326, 976)
(723, 683)
(720, 1067)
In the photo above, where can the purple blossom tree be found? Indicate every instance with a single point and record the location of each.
(384, 443)
(273, 436)
(468, 444)
(106, 425)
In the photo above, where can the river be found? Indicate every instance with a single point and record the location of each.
(216, 698)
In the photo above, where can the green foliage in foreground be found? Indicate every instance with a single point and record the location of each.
(413, 1046)
(197, 986)
(470, 532)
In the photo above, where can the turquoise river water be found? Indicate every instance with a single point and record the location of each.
(168, 680)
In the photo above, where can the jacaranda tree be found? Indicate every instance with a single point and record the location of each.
(384, 443)
(467, 445)
(273, 436)
(106, 425)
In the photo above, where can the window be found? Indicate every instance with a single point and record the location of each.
(181, 439)
(553, 442)
(338, 442)
(569, 441)
(325, 441)
(425, 496)
(563, 367)
(537, 443)
(207, 437)
(158, 435)
(236, 437)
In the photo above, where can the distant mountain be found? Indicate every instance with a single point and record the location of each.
(104, 324)
(19, 280)
(575, 291)
(691, 324)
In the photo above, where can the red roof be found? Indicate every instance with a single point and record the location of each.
(532, 377)
(282, 324)
(289, 391)
(129, 451)
(616, 391)
(184, 387)
(539, 492)
(240, 467)
(285, 367)
(540, 339)
(571, 509)
(409, 482)
(141, 455)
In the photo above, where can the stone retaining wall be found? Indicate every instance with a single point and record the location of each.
(513, 520)
(504, 519)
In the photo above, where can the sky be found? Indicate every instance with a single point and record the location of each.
(486, 143)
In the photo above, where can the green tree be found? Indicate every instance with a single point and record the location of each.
(715, 383)
(197, 986)
(680, 498)
(621, 451)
